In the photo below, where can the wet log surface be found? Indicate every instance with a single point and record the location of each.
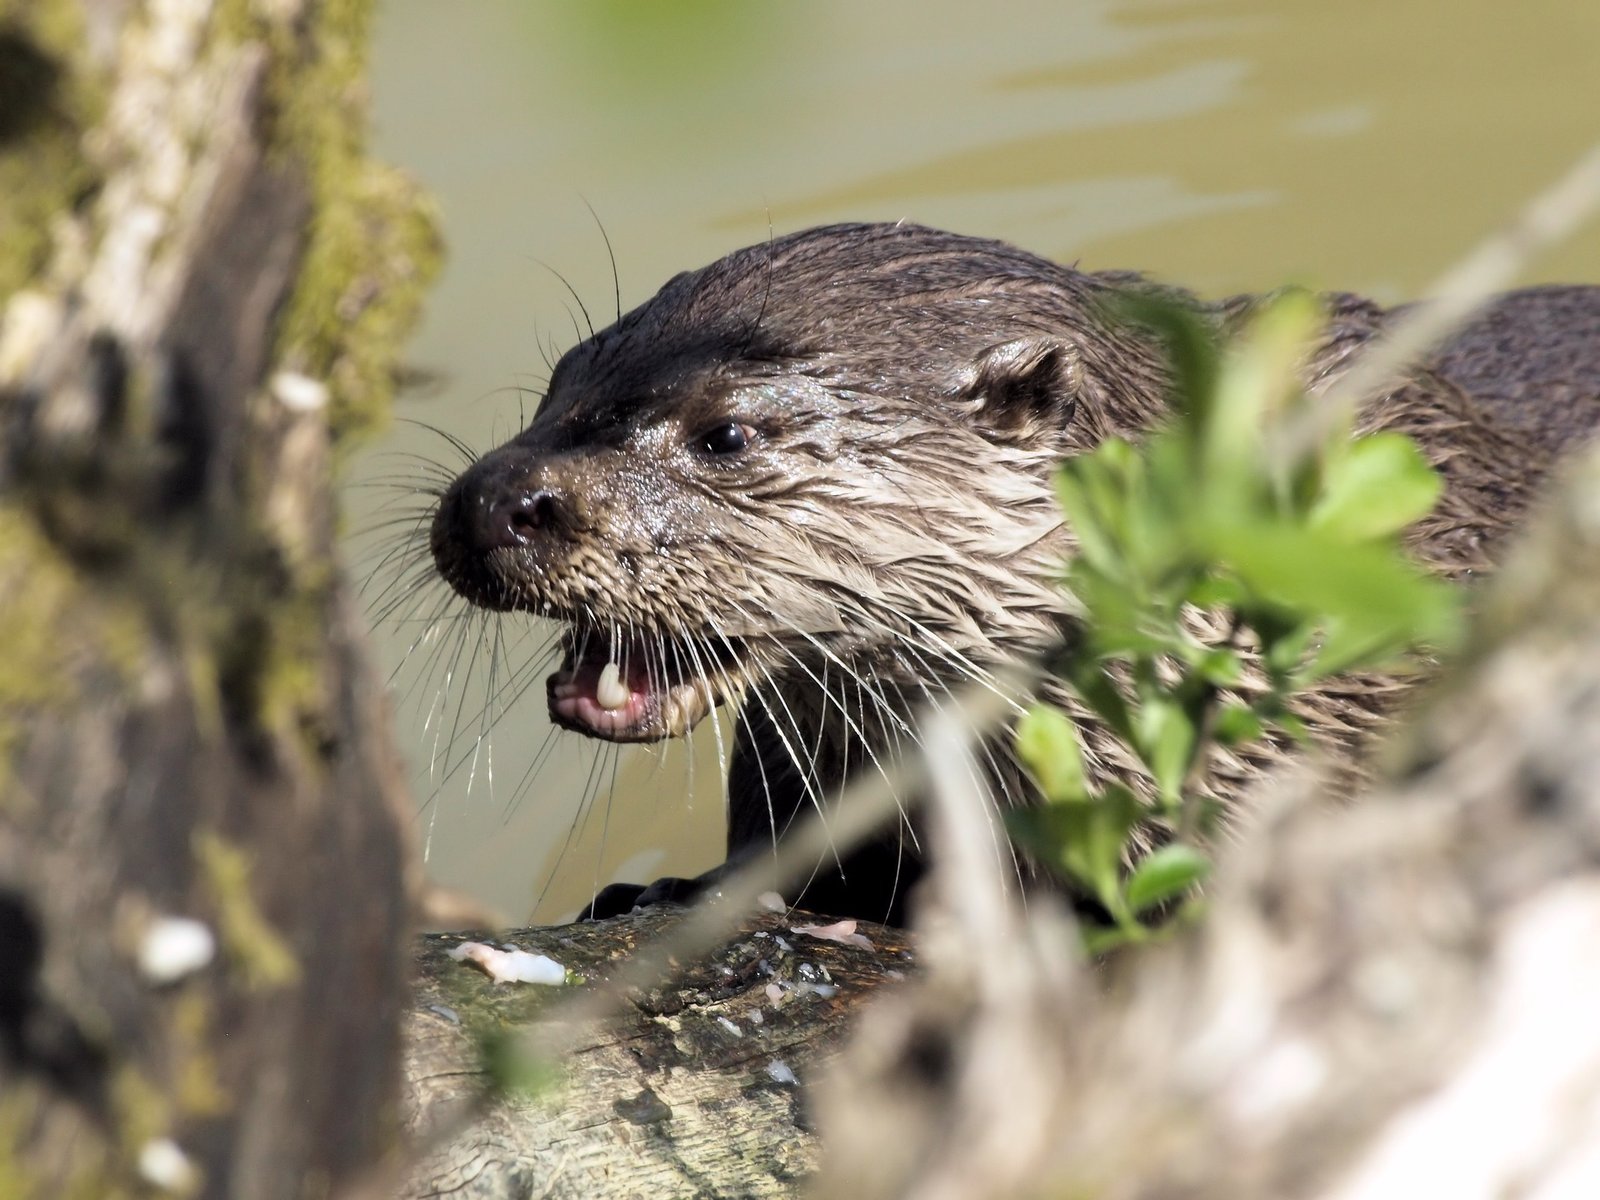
(697, 1089)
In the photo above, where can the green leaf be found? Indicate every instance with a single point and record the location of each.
(1084, 839)
(1106, 938)
(1097, 690)
(1237, 723)
(1217, 591)
(1093, 853)
(1284, 644)
(1097, 545)
(1047, 742)
(1346, 645)
(511, 1068)
(1166, 742)
(1093, 490)
(1110, 613)
(1376, 488)
(1372, 589)
(1293, 726)
(1258, 374)
(1165, 873)
(1191, 343)
(1220, 667)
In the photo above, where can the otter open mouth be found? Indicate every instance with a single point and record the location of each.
(639, 691)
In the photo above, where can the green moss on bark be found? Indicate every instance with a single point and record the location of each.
(253, 946)
(48, 97)
(373, 246)
(40, 595)
(371, 250)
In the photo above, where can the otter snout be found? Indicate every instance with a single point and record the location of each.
(494, 523)
(496, 517)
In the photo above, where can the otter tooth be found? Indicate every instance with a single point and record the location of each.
(611, 692)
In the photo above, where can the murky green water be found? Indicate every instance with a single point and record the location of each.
(1227, 145)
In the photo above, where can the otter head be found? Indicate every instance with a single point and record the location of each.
(819, 460)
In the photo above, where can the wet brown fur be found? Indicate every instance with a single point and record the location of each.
(890, 532)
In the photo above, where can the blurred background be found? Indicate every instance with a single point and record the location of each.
(1228, 145)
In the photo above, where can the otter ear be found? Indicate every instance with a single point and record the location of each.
(1025, 382)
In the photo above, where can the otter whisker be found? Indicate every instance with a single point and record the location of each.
(935, 691)
(450, 663)
(882, 706)
(616, 281)
(809, 782)
(471, 666)
(576, 299)
(982, 790)
(467, 453)
(409, 583)
(410, 592)
(588, 796)
(947, 653)
(615, 754)
(687, 643)
(540, 757)
(822, 687)
(830, 656)
(431, 633)
(821, 810)
(680, 645)
(485, 716)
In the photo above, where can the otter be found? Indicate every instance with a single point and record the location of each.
(813, 480)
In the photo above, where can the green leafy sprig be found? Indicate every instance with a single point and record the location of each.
(1300, 560)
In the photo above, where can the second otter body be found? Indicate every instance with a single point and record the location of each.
(813, 479)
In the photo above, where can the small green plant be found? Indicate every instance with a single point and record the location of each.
(512, 1068)
(1294, 562)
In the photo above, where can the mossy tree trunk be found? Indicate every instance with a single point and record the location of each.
(202, 281)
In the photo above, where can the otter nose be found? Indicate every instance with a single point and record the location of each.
(515, 517)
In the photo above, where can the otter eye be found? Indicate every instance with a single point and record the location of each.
(725, 439)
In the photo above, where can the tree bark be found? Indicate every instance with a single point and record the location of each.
(203, 872)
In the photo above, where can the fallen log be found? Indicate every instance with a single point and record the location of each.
(698, 1088)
